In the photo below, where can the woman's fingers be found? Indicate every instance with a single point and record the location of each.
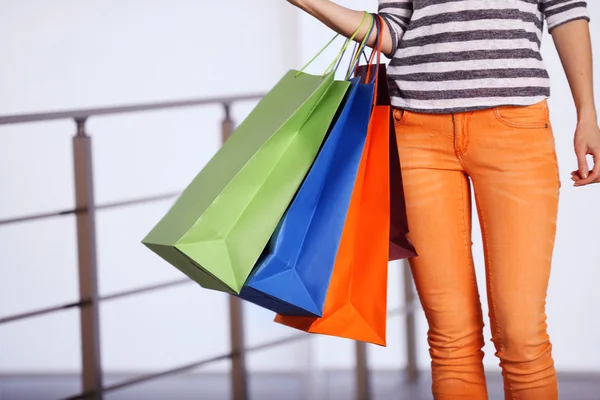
(594, 174)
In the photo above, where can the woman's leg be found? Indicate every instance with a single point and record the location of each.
(511, 160)
(439, 216)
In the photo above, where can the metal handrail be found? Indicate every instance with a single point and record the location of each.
(293, 338)
(124, 109)
(89, 299)
(192, 366)
(144, 289)
(71, 211)
(118, 295)
(40, 312)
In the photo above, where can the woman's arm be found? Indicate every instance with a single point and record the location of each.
(344, 21)
(574, 48)
(567, 22)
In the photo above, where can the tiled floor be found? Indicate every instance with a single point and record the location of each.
(386, 385)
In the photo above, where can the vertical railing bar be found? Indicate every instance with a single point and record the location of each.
(409, 318)
(239, 375)
(312, 373)
(363, 387)
(91, 375)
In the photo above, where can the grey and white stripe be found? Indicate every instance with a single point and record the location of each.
(460, 55)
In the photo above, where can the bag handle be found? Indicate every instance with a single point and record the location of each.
(358, 50)
(335, 62)
(376, 50)
(378, 22)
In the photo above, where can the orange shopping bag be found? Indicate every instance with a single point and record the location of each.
(356, 302)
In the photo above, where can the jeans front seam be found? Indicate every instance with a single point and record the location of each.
(465, 134)
(488, 267)
(468, 243)
(457, 152)
(464, 212)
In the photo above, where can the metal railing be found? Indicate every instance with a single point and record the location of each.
(85, 212)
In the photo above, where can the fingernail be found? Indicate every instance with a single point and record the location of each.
(584, 174)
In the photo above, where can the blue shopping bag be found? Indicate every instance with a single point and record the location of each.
(293, 274)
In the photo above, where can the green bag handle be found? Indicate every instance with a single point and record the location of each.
(358, 50)
(350, 40)
(331, 68)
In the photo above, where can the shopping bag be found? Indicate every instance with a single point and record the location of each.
(293, 276)
(221, 223)
(356, 302)
(400, 245)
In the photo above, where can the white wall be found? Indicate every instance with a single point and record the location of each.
(75, 54)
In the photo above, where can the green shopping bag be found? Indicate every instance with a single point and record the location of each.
(219, 226)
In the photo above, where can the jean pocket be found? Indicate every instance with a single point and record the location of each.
(535, 116)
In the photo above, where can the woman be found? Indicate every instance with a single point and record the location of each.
(470, 88)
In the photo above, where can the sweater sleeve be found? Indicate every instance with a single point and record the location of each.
(396, 14)
(559, 12)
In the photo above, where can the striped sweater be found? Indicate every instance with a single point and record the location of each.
(461, 55)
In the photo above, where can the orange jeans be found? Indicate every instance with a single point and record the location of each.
(507, 154)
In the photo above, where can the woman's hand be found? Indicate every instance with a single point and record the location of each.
(587, 142)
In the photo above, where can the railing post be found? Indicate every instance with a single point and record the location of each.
(363, 387)
(239, 376)
(91, 376)
(227, 125)
(409, 302)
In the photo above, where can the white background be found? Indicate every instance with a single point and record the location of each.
(74, 54)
